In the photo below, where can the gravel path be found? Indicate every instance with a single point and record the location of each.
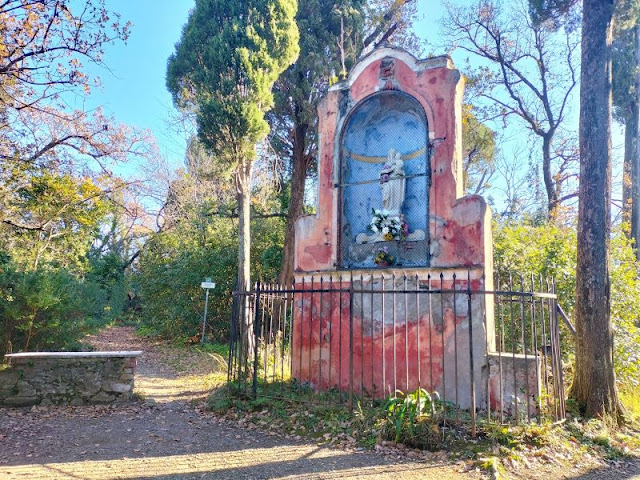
(170, 435)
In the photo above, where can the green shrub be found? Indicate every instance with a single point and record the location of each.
(548, 250)
(414, 419)
(175, 262)
(45, 309)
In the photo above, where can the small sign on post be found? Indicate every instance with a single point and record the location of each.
(207, 285)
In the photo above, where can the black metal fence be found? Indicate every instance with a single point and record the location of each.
(486, 352)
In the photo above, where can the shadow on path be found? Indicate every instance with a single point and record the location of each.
(170, 435)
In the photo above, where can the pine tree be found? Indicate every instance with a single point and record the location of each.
(223, 69)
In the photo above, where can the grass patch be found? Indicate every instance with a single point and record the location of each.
(220, 349)
(326, 420)
(631, 400)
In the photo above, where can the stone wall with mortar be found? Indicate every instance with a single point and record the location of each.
(67, 378)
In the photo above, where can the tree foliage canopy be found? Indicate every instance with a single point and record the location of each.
(519, 76)
(225, 64)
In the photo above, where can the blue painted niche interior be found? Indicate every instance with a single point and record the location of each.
(385, 120)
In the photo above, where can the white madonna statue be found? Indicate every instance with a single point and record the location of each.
(393, 183)
(393, 188)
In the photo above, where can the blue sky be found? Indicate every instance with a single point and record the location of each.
(134, 89)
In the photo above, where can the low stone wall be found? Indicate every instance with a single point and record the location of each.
(67, 378)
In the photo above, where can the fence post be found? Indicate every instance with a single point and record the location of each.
(231, 371)
(256, 332)
(351, 343)
(473, 381)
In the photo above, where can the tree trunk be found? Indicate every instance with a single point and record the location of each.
(552, 197)
(243, 196)
(296, 202)
(594, 383)
(627, 169)
(635, 165)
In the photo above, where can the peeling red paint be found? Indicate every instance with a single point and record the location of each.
(459, 231)
(320, 253)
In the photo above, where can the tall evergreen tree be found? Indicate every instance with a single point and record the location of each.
(626, 103)
(594, 383)
(224, 67)
(332, 30)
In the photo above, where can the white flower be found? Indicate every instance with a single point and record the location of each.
(385, 230)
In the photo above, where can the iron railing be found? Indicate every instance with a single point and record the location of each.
(309, 342)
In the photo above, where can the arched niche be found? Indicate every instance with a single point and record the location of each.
(389, 119)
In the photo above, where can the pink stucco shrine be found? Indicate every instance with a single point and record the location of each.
(392, 215)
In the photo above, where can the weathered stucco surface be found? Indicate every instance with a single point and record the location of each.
(460, 228)
(350, 340)
(382, 342)
(515, 384)
(67, 378)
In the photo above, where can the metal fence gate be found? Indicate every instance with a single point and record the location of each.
(523, 364)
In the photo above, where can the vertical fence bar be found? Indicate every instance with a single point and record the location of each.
(291, 328)
(263, 344)
(256, 331)
(557, 355)
(331, 295)
(302, 294)
(524, 348)
(246, 336)
(406, 333)
(486, 338)
(371, 343)
(320, 319)
(340, 337)
(311, 316)
(471, 366)
(282, 327)
(361, 335)
(431, 326)
(561, 393)
(513, 350)
(534, 349)
(395, 367)
(276, 304)
(553, 353)
(442, 329)
(384, 351)
(543, 303)
(500, 341)
(455, 346)
(418, 320)
(351, 343)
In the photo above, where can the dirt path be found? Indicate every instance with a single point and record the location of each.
(168, 434)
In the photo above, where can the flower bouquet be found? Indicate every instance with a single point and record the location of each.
(382, 258)
(390, 227)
